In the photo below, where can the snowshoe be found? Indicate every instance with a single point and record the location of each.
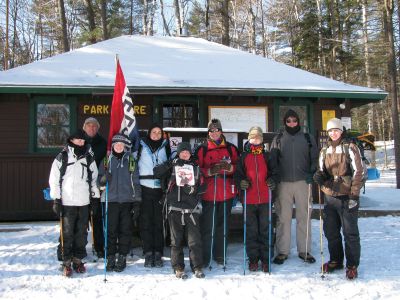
(110, 263)
(148, 260)
(280, 259)
(307, 258)
(199, 273)
(181, 274)
(253, 266)
(66, 269)
(158, 263)
(265, 267)
(331, 266)
(78, 266)
(351, 273)
(121, 263)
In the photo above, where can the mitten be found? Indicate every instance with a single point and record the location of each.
(320, 177)
(215, 169)
(271, 183)
(57, 207)
(244, 184)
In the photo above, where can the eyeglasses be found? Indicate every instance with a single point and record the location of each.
(214, 130)
(288, 121)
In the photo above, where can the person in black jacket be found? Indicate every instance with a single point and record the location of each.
(183, 209)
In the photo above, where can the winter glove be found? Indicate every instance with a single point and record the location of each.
(244, 184)
(309, 178)
(104, 179)
(189, 189)
(215, 169)
(224, 165)
(320, 177)
(94, 205)
(271, 183)
(135, 211)
(178, 162)
(57, 207)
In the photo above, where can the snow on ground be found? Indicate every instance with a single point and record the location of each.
(29, 269)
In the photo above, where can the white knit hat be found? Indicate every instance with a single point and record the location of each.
(334, 123)
(91, 120)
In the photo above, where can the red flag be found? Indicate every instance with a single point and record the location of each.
(122, 113)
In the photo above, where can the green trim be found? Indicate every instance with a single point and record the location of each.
(71, 101)
(309, 103)
(159, 100)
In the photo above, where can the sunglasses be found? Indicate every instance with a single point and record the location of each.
(288, 121)
(214, 130)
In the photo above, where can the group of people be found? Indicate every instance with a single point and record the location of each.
(192, 193)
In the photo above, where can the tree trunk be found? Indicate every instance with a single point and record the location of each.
(252, 29)
(388, 20)
(91, 21)
(63, 21)
(103, 9)
(225, 40)
(321, 56)
(178, 21)
(165, 24)
(263, 33)
(207, 18)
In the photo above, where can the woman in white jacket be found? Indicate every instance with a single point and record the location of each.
(72, 182)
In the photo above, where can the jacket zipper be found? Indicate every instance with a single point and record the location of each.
(258, 187)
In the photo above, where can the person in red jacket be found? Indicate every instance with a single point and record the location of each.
(257, 175)
(217, 159)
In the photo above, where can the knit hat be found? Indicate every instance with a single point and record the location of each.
(214, 124)
(184, 146)
(79, 134)
(255, 132)
(120, 138)
(291, 113)
(334, 123)
(91, 120)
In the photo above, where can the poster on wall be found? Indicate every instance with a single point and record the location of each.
(174, 141)
(346, 121)
(240, 118)
(326, 116)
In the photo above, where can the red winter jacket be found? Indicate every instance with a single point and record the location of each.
(254, 168)
(214, 155)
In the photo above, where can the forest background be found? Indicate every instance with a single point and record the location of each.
(354, 41)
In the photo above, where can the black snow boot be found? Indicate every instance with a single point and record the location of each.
(199, 273)
(179, 273)
(158, 263)
(121, 263)
(148, 260)
(110, 263)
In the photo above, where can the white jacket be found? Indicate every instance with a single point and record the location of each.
(75, 188)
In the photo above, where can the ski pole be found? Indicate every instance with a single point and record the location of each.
(320, 232)
(224, 220)
(213, 221)
(269, 229)
(308, 220)
(244, 230)
(105, 235)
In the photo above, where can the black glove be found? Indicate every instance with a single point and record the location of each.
(271, 183)
(244, 184)
(135, 211)
(215, 169)
(94, 205)
(224, 165)
(189, 189)
(104, 179)
(178, 162)
(57, 207)
(320, 177)
(309, 178)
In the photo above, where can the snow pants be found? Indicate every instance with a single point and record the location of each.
(180, 233)
(97, 226)
(208, 225)
(338, 216)
(119, 231)
(290, 193)
(74, 229)
(151, 220)
(257, 232)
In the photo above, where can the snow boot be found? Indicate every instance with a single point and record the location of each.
(179, 273)
(121, 263)
(307, 258)
(66, 268)
(331, 266)
(253, 266)
(265, 267)
(199, 273)
(351, 273)
(148, 260)
(280, 259)
(110, 263)
(158, 263)
(78, 265)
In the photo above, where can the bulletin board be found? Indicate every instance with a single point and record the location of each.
(326, 116)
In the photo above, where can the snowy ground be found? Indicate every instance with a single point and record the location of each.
(29, 269)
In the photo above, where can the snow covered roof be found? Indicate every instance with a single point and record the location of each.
(178, 63)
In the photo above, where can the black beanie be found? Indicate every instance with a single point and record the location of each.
(184, 146)
(79, 134)
(155, 125)
(291, 113)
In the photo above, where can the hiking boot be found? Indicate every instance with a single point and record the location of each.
(78, 265)
(110, 263)
(265, 267)
(253, 266)
(307, 258)
(121, 263)
(66, 267)
(331, 266)
(351, 273)
(199, 273)
(179, 273)
(158, 263)
(280, 259)
(148, 260)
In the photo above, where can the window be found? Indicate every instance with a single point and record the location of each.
(52, 125)
(179, 115)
